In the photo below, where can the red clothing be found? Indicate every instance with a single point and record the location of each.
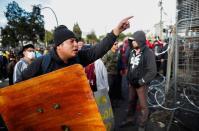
(158, 43)
(149, 44)
(90, 72)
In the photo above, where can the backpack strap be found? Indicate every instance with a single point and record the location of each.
(45, 63)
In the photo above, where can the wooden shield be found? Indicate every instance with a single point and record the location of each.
(58, 101)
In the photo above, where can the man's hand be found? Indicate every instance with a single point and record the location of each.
(138, 83)
(141, 82)
(123, 25)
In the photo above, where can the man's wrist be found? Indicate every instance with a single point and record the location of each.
(116, 31)
(141, 82)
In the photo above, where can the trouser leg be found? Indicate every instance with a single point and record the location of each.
(142, 95)
(133, 98)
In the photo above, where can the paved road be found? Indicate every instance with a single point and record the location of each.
(119, 114)
(4, 83)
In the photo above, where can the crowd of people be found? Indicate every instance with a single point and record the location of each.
(13, 61)
(134, 64)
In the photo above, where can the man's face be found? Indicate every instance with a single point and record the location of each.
(135, 44)
(29, 53)
(69, 48)
(115, 46)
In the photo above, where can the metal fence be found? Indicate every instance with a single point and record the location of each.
(186, 64)
(187, 43)
(188, 54)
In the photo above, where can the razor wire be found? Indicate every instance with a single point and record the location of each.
(157, 96)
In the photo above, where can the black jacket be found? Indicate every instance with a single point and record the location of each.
(84, 57)
(141, 67)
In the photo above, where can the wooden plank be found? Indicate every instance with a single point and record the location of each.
(53, 101)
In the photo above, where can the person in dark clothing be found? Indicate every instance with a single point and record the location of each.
(114, 78)
(124, 51)
(65, 52)
(141, 70)
(3, 65)
(10, 68)
(157, 49)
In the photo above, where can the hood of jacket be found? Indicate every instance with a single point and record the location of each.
(140, 38)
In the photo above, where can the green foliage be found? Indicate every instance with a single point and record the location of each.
(22, 26)
(36, 25)
(48, 37)
(101, 37)
(77, 31)
(14, 13)
(91, 38)
(129, 34)
(121, 37)
(8, 37)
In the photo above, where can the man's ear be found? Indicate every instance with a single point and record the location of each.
(23, 53)
(58, 47)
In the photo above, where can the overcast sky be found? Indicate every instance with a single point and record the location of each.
(99, 15)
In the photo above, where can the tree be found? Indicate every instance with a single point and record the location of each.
(8, 37)
(91, 38)
(129, 34)
(101, 37)
(48, 37)
(77, 31)
(16, 17)
(121, 37)
(22, 26)
(36, 25)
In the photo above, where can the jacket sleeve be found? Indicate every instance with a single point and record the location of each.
(97, 51)
(150, 68)
(17, 77)
(105, 58)
(33, 70)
